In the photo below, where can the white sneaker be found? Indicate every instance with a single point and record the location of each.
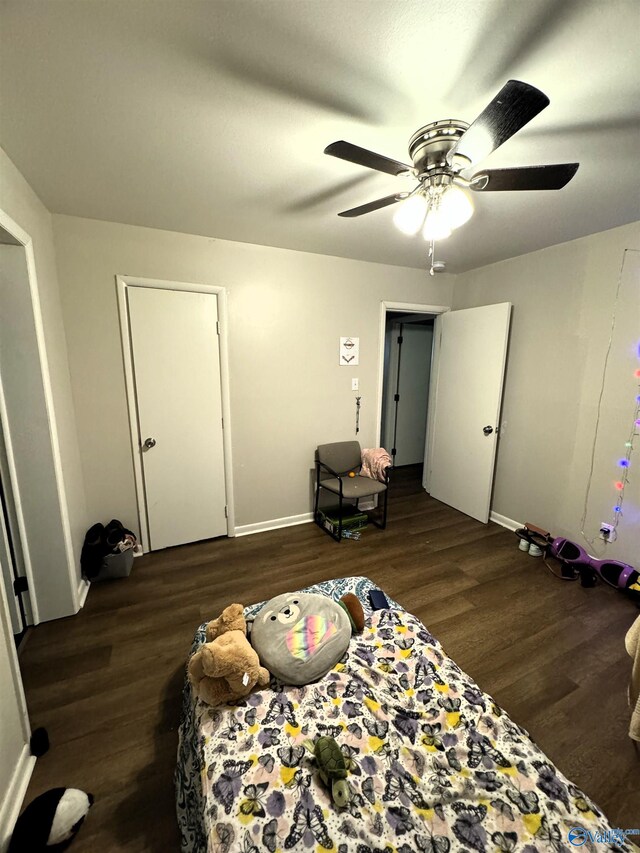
(534, 550)
(524, 545)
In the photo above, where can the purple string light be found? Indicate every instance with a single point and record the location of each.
(625, 462)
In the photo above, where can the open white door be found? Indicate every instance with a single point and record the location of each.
(470, 373)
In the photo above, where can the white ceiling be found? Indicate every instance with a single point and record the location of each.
(210, 116)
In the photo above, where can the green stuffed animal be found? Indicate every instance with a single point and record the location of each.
(332, 768)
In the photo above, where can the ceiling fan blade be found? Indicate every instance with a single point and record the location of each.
(514, 105)
(364, 157)
(374, 205)
(524, 178)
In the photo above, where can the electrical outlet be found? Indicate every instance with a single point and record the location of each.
(355, 384)
(607, 532)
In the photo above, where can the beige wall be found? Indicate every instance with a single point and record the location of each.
(287, 311)
(563, 299)
(48, 548)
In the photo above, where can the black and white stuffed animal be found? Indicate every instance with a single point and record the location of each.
(50, 822)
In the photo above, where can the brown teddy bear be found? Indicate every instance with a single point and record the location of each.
(226, 668)
(231, 619)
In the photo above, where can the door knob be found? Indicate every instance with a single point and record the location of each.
(149, 443)
(487, 431)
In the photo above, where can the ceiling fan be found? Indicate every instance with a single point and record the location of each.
(442, 150)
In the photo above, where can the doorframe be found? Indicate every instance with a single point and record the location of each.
(19, 781)
(122, 283)
(11, 515)
(409, 308)
(77, 587)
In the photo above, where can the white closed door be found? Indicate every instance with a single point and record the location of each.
(176, 364)
(470, 373)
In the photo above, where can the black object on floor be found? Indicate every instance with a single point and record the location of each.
(587, 576)
(50, 822)
(39, 742)
(93, 551)
(569, 572)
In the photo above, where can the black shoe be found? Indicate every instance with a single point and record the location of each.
(587, 576)
(93, 551)
(114, 533)
(569, 573)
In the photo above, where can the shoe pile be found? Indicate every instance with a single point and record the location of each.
(101, 542)
(533, 540)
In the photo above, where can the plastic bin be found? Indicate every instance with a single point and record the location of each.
(116, 566)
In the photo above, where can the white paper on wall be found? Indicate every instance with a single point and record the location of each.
(349, 351)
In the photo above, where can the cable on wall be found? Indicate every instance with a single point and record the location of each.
(624, 463)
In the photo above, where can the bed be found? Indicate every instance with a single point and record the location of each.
(435, 765)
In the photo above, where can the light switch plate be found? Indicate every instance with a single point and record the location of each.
(355, 384)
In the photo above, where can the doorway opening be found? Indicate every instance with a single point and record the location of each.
(408, 349)
(405, 421)
(470, 343)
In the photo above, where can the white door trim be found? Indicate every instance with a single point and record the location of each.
(22, 237)
(407, 308)
(12, 803)
(431, 403)
(16, 562)
(22, 770)
(18, 689)
(122, 283)
(10, 806)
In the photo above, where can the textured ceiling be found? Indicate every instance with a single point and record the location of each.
(211, 117)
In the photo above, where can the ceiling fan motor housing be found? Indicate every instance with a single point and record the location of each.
(429, 146)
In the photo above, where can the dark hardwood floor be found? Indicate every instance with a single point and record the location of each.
(107, 682)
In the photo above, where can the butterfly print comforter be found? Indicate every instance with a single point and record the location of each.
(435, 765)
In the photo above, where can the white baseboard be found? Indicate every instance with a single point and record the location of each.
(83, 591)
(503, 521)
(274, 524)
(10, 808)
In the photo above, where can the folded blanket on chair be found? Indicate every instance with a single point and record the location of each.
(375, 462)
(632, 644)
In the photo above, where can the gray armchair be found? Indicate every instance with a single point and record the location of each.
(333, 464)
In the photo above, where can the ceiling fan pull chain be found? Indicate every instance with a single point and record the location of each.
(432, 255)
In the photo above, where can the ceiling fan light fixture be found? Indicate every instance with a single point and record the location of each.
(410, 215)
(456, 207)
(442, 150)
(436, 226)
